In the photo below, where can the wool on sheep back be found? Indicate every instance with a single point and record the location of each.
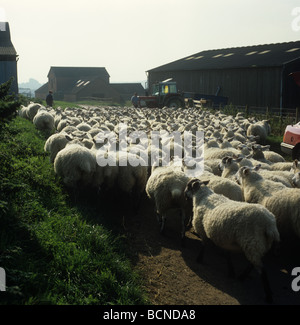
(76, 165)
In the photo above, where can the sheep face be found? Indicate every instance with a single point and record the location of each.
(296, 170)
(192, 187)
(226, 162)
(296, 180)
(246, 172)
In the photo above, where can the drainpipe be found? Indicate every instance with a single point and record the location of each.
(281, 89)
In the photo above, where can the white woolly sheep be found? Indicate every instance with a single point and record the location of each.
(55, 143)
(76, 165)
(283, 202)
(225, 186)
(261, 129)
(263, 153)
(230, 167)
(44, 121)
(132, 176)
(32, 110)
(295, 170)
(165, 187)
(233, 226)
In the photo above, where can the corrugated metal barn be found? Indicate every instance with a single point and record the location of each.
(252, 75)
(8, 58)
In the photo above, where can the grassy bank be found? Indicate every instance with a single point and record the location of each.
(55, 250)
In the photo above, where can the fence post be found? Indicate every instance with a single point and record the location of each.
(297, 114)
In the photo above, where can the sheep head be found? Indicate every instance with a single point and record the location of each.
(192, 187)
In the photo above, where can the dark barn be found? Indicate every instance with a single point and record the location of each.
(81, 83)
(253, 75)
(8, 58)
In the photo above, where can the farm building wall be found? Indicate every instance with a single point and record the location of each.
(8, 69)
(243, 86)
(98, 89)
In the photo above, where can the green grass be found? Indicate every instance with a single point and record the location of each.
(63, 104)
(56, 249)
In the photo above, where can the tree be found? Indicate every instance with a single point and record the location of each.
(8, 103)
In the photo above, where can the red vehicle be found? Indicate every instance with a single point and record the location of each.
(291, 141)
(164, 93)
(291, 138)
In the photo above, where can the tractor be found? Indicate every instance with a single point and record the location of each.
(164, 93)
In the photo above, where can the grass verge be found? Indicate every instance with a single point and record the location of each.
(54, 252)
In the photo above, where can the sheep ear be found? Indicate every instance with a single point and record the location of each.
(68, 137)
(196, 185)
(239, 158)
(257, 167)
(205, 182)
(246, 171)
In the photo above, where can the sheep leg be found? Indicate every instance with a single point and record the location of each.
(161, 221)
(162, 224)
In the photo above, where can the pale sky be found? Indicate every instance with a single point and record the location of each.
(129, 37)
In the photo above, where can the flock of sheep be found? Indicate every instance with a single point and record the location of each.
(246, 198)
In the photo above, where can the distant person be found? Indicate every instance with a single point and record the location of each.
(135, 100)
(49, 99)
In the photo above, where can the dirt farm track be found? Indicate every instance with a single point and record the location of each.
(173, 277)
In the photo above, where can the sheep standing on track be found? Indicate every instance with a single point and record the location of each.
(165, 187)
(282, 201)
(233, 226)
(132, 176)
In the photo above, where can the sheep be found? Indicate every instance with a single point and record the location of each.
(55, 143)
(165, 188)
(282, 201)
(296, 172)
(44, 121)
(230, 167)
(132, 176)
(225, 186)
(76, 165)
(263, 154)
(23, 112)
(233, 226)
(261, 129)
(83, 127)
(32, 110)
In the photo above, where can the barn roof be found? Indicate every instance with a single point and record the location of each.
(78, 72)
(6, 46)
(43, 89)
(267, 55)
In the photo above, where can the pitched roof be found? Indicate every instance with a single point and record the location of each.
(77, 72)
(6, 46)
(237, 57)
(82, 83)
(44, 88)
